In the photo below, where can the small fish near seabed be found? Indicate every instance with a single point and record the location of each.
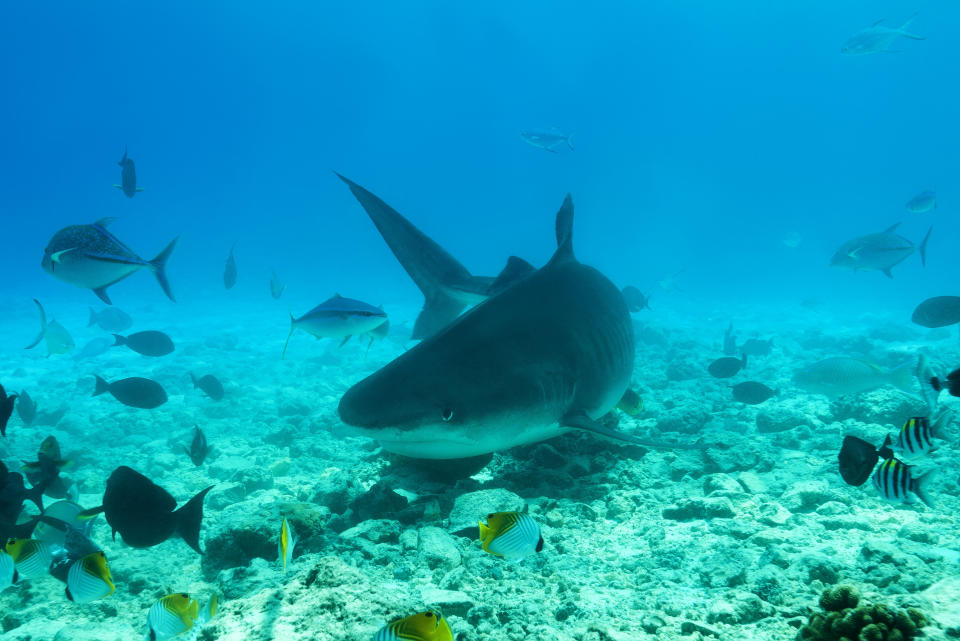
(896, 482)
(858, 457)
(842, 376)
(176, 614)
(45, 471)
(939, 311)
(209, 385)
(288, 540)
(951, 383)
(276, 287)
(631, 403)
(551, 140)
(879, 252)
(636, 301)
(425, 626)
(89, 579)
(59, 340)
(877, 38)
(727, 366)
(141, 393)
(90, 257)
(110, 319)
(6, 409)
(148, 343)
(337, 317)
(32, 557)
(95, 347)
(26, 408)
(756, 347)
(198, 447)
(752, 392)
(145, 514)
(230, 270)
(923, 202)
(128, 176)
(917, 438)
(512, 535)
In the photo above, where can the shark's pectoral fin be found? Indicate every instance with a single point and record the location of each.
(101, 293)
(579, 420)
(438, 311)
(516, 269)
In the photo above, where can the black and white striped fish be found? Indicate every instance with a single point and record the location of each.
(916, 437)
(895, 482)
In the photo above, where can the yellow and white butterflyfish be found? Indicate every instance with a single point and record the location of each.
(172, 615)
(32, 557)
(512, 535)
(288, 539)
(425, 626)
(89, 579)
(209, 610)
(8, 571)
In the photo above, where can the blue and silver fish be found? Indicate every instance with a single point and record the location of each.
(550, 140)
(879, 252)
(877, 39)
(337, 317)
(91, 257)
(922, 202)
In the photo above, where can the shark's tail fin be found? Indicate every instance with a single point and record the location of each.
(159, 267)
(43, 326)
(434, 270)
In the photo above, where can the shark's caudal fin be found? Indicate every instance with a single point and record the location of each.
(564, 228)
(43, 326)
(159, 267)
(434, 270)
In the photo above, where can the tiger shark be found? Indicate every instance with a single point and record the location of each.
(447, 285)
(549, 351)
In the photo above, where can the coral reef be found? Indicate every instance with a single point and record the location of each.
(844, 618)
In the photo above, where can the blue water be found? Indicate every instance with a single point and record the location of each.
(704, 134)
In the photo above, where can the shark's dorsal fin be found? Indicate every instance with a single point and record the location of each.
(564, 228)
(516, 269)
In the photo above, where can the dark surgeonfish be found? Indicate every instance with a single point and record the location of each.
(13, 494)
(145, 514)
(939, 311)
(636, 301)
(752, 392)
(727, 366)
(6, 409)
(136, 392)
(276, 287)
(91, 257)
(230, 270)
(111, 319)
(45, 471)
(521, 353)
(756, 347)
(447, 286)
(878, 252)
(858, 457)
(147, 343)
(337, 317)
(198, 447)
(128, 176)
(56, 335)
(26, 408)
(951, 383)
(209, 385)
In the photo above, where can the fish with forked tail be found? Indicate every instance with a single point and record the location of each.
(59, 340)
(91, 257)
(128, 176)
(879, 252)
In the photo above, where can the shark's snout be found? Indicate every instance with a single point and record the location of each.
(354, 409)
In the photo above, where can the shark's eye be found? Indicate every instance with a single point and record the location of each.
(446, 414)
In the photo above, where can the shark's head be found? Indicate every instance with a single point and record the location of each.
(437, 401)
